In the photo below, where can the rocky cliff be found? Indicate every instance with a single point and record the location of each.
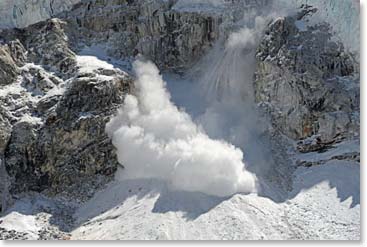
(22, 13)
(308, 82)
(166, 32)
(54, 109)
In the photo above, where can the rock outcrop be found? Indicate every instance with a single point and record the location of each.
(8, 67)
(5, 130)
(53, 117)
(163, 31)
(22, 13)
(125, 28)
(72, 145)
(307, 82)
(47, 44)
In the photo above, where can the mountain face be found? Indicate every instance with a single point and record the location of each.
(22, 13)
(283, 81)
(312, 99)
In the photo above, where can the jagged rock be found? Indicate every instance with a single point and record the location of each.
(45, 105)
(55, 137)
(316, 144)
(352, 156)
(72, 146)
(5, 132)
(17, 52)
(5, 197)
(172, 39)
(332, 124)
(52, 126)
(37, 81)
(12, 235)
(47, 44)
(22, 13)
(69, 152)
(20, 157)
(8, 68)
(44, 44)
(303, 77)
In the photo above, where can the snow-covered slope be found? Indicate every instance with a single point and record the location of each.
(321, 206)
(22, 13)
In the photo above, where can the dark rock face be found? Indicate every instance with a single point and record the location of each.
(172, 39)
(8, 67)
(306, 81)
(19, 157)
(72, 144)
(9, 72)
(48, 45)
(5, 131)
(53, 126)
(5, 197)
(17, 52)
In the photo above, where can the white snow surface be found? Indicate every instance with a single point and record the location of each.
(21, 223)
(321, 206)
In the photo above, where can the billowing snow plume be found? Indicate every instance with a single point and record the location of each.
(155, 139)
(226, 83)
(227, 73)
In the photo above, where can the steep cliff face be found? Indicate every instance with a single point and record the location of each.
(173, 36)
(126, 28)
(22, 13)
(308, 82)
(8, 67)
(54, 113)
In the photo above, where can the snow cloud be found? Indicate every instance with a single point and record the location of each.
(154, 139)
